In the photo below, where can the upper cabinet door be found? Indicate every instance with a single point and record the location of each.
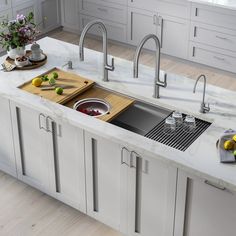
(106, 181)
(49, 14)
(152, 189)
(31, 146)
(141, 23)
(70, 14)
(204, 208)
(5, 4)
(7, 157)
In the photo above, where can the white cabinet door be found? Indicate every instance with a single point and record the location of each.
(31, 146)
(106, 181)
(26, 8)
(152, 189)
(204, 208)
(49, 14)
(7, 156)
(141, 23)
(5, 4)
(70, 14)
(68, 164)
(174, 36)
(5, 15)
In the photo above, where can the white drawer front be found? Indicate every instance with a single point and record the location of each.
(214, 16)
(121, 2)
(208, 56)
(115, 31)
(174, 8)
(213, 36)
(115, 13)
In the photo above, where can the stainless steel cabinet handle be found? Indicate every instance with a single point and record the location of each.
(55, 155)
(219, 58)
(220, 37)
(214, 185)
(49, 123)
(131, 25)
(122, 156)
(102, 9)
(42, 117)
(196, 11)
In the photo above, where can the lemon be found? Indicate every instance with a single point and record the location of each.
(59, 90)
(234, 138)
(37, 82)
(228, 145)
(52, 81)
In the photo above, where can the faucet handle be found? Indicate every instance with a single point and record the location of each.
(112, 67)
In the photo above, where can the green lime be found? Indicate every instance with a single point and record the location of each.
(235, 153)
(52, 81)
(55, 75)
(44, 78)
(59, 90)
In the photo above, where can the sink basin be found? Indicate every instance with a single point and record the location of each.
(141, 117)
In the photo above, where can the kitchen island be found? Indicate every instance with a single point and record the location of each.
(175, 169)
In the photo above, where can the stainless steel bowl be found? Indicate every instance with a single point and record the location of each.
(93, 104)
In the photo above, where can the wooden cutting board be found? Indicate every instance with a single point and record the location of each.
(75, 84)
(119, 103)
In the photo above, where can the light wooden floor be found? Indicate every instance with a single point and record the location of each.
(169, 64)
(24, 211)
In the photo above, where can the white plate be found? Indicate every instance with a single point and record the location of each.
(40, 59)
(226, 156)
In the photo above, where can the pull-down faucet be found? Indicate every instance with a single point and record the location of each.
(104, 36)
(203, 108)
(157, 82)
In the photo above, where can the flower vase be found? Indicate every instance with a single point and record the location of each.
(16, 52)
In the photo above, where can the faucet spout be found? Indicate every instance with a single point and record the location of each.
(157, 82)
(203, 108)
(102, 27)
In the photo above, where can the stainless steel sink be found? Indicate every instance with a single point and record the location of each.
(141, 117)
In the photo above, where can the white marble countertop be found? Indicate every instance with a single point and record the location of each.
(200, 158)
(228, 4)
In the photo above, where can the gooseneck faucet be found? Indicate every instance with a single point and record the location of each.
(101, 25)
(203, 108)
(157, 82)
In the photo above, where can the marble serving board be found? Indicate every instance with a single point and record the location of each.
(74, 85)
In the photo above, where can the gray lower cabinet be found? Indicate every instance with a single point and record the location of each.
(49, 155)
(204, 208)
(132, 193)
(7, 157)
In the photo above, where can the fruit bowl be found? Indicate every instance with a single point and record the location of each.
(93, 107)
(226, 156)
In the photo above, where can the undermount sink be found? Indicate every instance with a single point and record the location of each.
(141, 117)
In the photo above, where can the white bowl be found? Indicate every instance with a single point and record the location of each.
(21, 63)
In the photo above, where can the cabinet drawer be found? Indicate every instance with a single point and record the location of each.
(214, 16)
(115, 31)
(174, 8)
(121, 2)
(115, 13)
(214, 36)
(220, 59)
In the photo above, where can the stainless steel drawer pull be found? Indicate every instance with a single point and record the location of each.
(102, 9)
(219, 58)
(214, 185)
(220, 37)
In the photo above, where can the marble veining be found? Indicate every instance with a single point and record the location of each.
(201, 158)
